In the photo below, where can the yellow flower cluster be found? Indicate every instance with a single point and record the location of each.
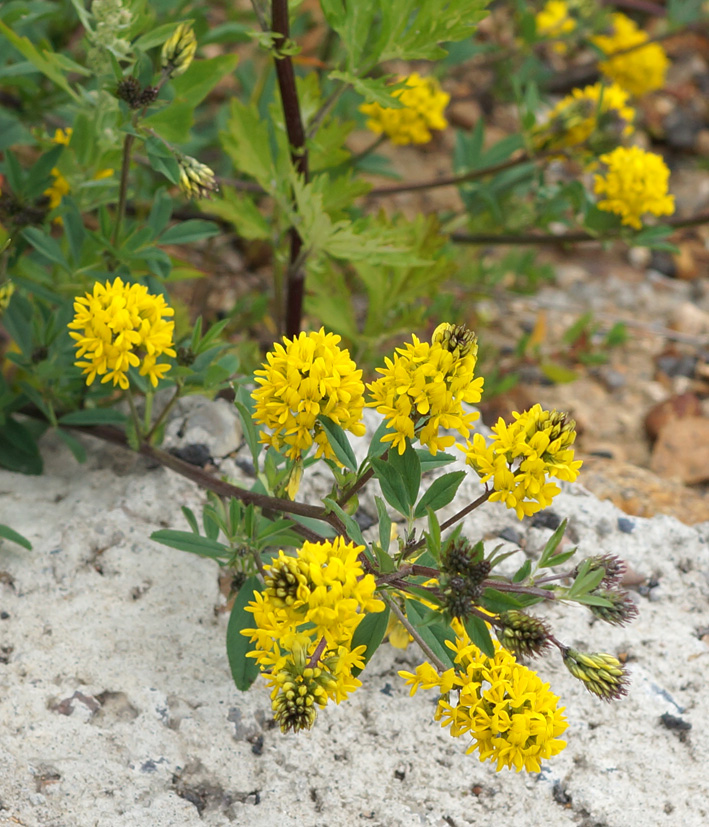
(512, 717)
(634, 183)
(305, 620)
(303, 378)
(423, 388)
(637, 68)
(537, 445)
(598, 116)
(554, 21)
(423, 105)
(122, 326)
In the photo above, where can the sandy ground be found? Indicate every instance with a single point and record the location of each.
(118, 708)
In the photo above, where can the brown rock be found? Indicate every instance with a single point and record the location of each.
(640, 493)
(676, 407)
(682, 450)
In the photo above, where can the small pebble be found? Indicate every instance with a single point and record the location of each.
(625, 525)
(546, 519)
(512, 535)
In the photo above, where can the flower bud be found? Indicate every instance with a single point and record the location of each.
(457, 339)
(613, 566)
(178, 50)
(621, 611)
(196, 180)
(522, 634)
(602, 674)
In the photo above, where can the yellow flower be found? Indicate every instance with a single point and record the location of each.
(423, 105)
(6, 291)
(512, 717)
(179, 50)
(637, 68)
(537, 445)
(62, 136)
(57, 189)
(597, 116)
(304, 378)
(122, 326)
(422, 389)
(554, 21)
(634, 183)
(305, 620)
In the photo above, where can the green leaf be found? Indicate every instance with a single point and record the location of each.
(408, 467)
(495, 601)
(384, 524)
(479, 634)
(429, 462)
(202, 76)
(73, 444)
(244, 405)
(38, 59)
(353, 529)
(195, 229)
(160, 211)
(433, 635)
(440, 493)
(191, 519)
(375, 90)
(339, 442)
(370, 632)
(433, 537)
(552, 544)
(522, 572)
(244, 670)
(240, 210)
(392, 486)
(8, 534)
(558, 374)
(172, 122)
(195, 544)
(94, 416)
(247, 141)
(46, 246)
(162, 160)
(18, 448)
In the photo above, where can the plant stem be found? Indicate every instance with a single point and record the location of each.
(465, 511)
(568, 238)
(134, 414)
(462, 178)
(285, 74)
(165, 411)
(317, 654)
(401, 617)
(515, 588)
(123, 191)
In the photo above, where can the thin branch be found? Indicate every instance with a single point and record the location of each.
(461, 178)
(568, 238)
(406, 623)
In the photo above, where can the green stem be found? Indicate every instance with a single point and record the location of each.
(123, 190)
(134, 414)
(163, 414)
(401, 617)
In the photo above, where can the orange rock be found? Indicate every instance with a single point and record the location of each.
(682, 450)
(676, 407)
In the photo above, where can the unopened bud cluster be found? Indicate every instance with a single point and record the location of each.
(456, 339)
(300, 690)
(130, 91)
(522, 634)
(463, 571)
(196, 180)
(602, 674)
(622, 609)
(179, 50)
